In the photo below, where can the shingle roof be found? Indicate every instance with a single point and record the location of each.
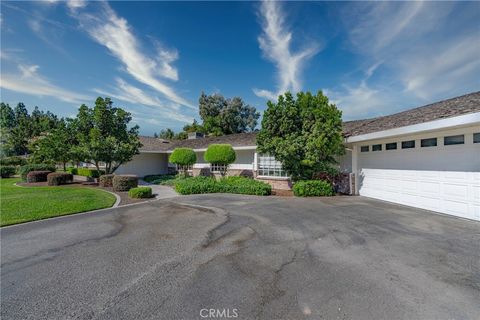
(465, 104)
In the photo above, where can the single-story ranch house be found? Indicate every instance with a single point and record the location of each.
(427, 157)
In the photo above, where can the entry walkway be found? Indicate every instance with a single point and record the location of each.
(159, 191)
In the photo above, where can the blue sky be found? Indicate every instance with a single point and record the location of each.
(154, 58)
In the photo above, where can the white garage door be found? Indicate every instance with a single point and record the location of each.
(450, 192)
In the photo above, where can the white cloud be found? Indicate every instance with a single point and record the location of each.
(275, 43)
(75, 4)
(29, 81)
(128, 93)
(430, 49)
(114, 32)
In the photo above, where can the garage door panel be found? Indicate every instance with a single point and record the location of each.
(456, 193)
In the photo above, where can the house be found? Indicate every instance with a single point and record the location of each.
(427, 157)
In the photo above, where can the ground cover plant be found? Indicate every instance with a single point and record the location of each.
(140, 192)
(313, 188)
(238, 185)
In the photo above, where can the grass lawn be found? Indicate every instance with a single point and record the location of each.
(22, 204)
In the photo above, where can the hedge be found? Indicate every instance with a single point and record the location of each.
(125, 182)
(220, 154)
(88, 172)
(13, 161)
(7, 171)
(24, 170)
(72, 170)
(106, 180)
(59, 178)
(37, 176)
(312, 188)
(140, 192)
(239, 185)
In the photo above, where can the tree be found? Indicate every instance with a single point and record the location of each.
(104, 136)
(304, 134)
(55, 146)
(166, 134)
(221, 155)
(183, 158)
(225, 116)
(7, 116)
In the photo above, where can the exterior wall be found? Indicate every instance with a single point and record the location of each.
(277, 184)
(144, 164)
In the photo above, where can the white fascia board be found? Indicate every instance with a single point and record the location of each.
(448, 123)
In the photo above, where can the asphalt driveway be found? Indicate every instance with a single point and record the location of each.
(258, 258)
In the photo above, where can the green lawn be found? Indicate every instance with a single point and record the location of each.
(21, 204)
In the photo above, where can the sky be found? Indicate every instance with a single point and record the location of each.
(155, 58)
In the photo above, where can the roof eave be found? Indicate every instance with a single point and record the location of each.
(447, 123)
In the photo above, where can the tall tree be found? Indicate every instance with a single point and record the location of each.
(304, 134)
(104, 136)
(166, 134)
(225, 116)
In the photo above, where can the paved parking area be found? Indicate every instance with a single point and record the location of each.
(255, 257)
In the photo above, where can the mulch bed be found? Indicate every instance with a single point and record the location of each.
(124, 198)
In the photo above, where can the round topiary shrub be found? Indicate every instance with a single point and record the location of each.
(7, 171)
(59, 178)
(183, 157)
(106, 180)
(124, 182)
(312, 188)
(24, 170)
(37, 176)
(220, 154)
(140, 192)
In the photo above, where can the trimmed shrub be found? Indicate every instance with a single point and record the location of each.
(140, 192)
(24, 170)
(239, 185)
(59, 178)
(7, 171)
(124, 182)
(220, 154)
(312, 188)
(106, 180)
(196, 185)
(37, 176)
(72, 170)
(183, 157)
(244, 185)
(13, 161)
(88, 172)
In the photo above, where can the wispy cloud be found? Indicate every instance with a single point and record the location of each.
(425, 47)
(129, 93)
(29, 81)
(114, 32)
(275, 42)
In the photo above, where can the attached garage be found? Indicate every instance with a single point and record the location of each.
(432, 165)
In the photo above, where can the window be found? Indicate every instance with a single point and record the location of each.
(431, 142)
(364, 148)
(181, 168)
(217, 168)
(476, 137)
(408, 144)
(377, 147)
(460, 139)
(391, 146)
(269, 167)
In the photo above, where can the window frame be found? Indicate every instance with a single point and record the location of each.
(391, 143)
(427, 139)
(476, 137)
(445, 143)
(362, 148)
(376, 145)
(408, 141)
(267, 164)
(214, 168)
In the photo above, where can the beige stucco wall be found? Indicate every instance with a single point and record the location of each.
(145, 164)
